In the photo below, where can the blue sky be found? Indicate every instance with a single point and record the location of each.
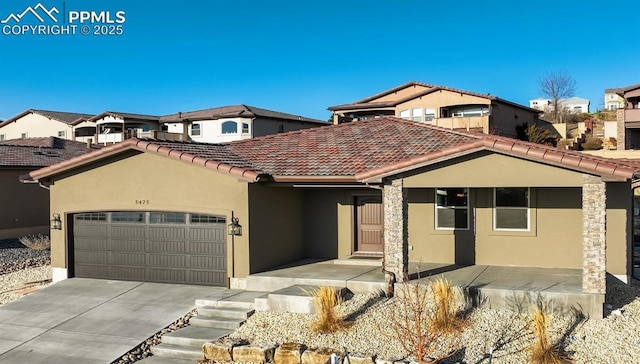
(303, 56)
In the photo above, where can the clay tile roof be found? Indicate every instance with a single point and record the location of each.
(345, 149)
(358, 151)
(65, 117)
(233, 111)
(367, 102)
(125, 115)
(40, 152)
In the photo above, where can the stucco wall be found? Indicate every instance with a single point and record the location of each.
(400, 94)
(329, 224)
(505, 118)
(148, 182)
(441, 98)
(276, 223)
(25, 207)
(619, 233)
(554, 238)
(486, 169)
(265, 126)
(35, 126)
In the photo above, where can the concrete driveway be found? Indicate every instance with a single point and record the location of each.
(89, 320)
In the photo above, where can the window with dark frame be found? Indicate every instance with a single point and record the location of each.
(452, 208)
(511, 208)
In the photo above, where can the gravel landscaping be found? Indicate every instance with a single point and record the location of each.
(22, 270)
(499, 335)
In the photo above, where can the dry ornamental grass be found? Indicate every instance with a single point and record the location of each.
(326, 299)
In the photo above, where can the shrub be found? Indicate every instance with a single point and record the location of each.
(541, 351)
(564, 144)
(592, 144)
(36, 242)
(325, 299)
(446, 317)
(426, 318)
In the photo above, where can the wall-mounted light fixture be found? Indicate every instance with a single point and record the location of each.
(235, 228)
(56, 222)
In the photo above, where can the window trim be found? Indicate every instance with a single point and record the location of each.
(228, 122)
(436, 208)
(193, 127)
(528, 209)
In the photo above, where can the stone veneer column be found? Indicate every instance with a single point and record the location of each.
(396, 251)
(594, 264)
(621, 132)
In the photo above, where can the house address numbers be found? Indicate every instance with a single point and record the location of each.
(142, 202)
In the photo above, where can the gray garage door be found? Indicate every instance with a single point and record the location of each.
(168, 247)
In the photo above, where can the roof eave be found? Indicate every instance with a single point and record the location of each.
(315, 179)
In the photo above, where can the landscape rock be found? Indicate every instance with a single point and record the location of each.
(262, 353)
(360, 358)
(221, 349)
(289, 353)
(318, 356)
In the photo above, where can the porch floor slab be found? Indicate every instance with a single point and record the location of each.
(558, 280)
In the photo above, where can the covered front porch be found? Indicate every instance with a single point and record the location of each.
(499, 287)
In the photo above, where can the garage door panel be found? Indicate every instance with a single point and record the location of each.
(167, 233)
(92, 271)
(90, 229)
(131, 259)
(165, 260)
(167, 247)
(168, 275)
(150, 246)
(92, 243)
(197, 261)
(128, 231)
(127, 245)
(127, 273)
(207, 234)
(92, 257)
(209, 248)
(207, 277)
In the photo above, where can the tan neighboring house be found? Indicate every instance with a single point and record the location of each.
(25, 207)
(441, 106)
(383, 187)
(613, 101)
(235, 122)
(35, 123)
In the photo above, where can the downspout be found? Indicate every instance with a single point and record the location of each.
(391, 277)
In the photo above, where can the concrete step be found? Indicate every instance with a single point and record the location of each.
(194, 336)
(178, 352)
(225, 312)
(217, 322)
(241, 299)
(296, 298)
(163, 360)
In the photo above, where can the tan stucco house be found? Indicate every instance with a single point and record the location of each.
(441, 106)
(25, 207)
(384, 187)
(34, 123)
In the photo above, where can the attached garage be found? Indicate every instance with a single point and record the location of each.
(167, 247)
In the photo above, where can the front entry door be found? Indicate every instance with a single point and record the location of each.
(370, 225)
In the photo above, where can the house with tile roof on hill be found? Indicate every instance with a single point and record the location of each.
(34, 123)
(384, 188)
(25, 208)
(441, 106)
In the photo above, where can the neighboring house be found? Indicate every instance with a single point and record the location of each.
(114, 127)
(613, 101)
(34, 123)
(384, 187)
(236, 122)
(440, 106)
(628, 118)
(574, 105)
(25, 208)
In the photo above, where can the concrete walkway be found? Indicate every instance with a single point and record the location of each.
(91, 321)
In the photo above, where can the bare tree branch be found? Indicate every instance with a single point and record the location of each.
(556, 86)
